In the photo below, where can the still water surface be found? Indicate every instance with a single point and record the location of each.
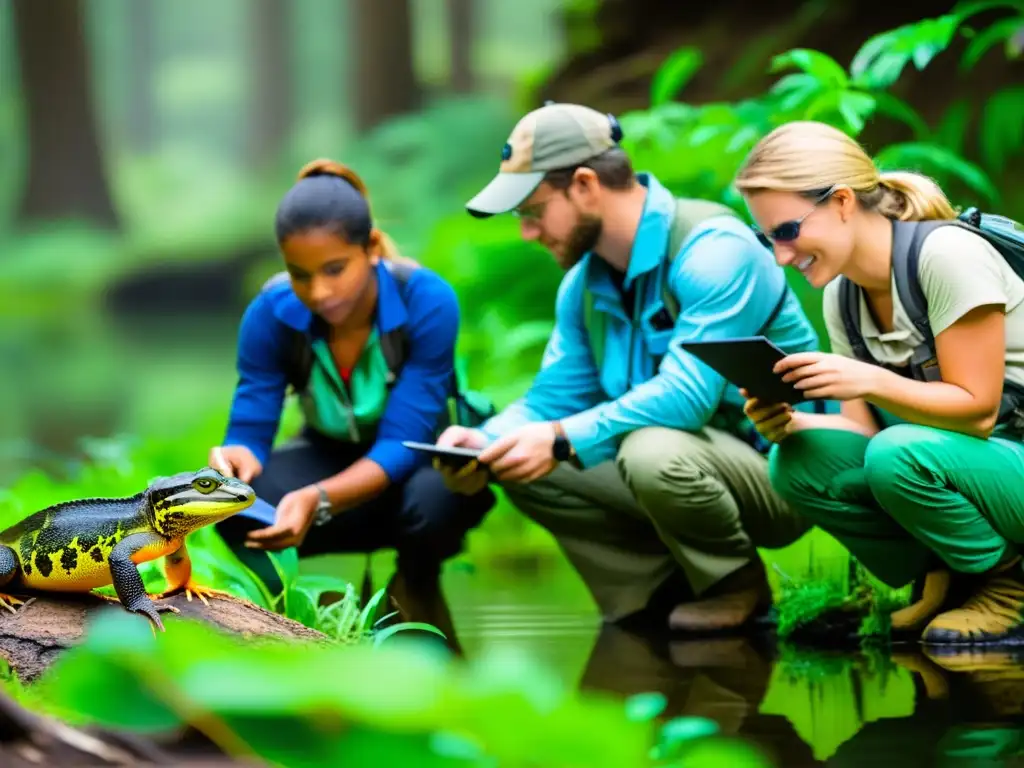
(803, 708)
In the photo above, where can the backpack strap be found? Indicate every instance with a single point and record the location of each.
(298, 352)
(688, 214)
(395, 344)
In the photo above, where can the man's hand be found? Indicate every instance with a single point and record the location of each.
(826, 376)
(470, 478)
(235, 461)
(524, 455)
(295, 516)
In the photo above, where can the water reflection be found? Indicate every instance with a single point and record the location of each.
(802, 708)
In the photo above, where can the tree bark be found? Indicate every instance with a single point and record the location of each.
(385, 83)
(65, 169)
(270, 105)
(461, 22)
(33, 638)
(142, 116)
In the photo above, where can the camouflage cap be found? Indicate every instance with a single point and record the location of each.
(551, 137)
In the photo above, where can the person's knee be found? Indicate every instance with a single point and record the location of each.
(434, 521)
(894, 457)
(675, 479)
(788, 472)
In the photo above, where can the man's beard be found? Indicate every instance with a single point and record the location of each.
(583, 238)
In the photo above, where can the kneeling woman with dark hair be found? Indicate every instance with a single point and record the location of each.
(348, 314)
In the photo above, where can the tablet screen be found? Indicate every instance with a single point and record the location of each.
(748, 362)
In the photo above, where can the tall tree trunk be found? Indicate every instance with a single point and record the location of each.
(461, 22)
(142, 117)
(65, 169)
(385, 83)
(270, 105)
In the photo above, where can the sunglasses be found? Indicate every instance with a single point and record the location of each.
(788, 231)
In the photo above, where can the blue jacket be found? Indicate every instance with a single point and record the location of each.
(428, 308)
(727, 285)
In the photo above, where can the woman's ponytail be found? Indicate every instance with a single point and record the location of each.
(909, 196)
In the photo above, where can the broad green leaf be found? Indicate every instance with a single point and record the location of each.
(939, 162)
(820, 65)
(674, 73)
(999, 31)
(881, 59)
(1002, 127)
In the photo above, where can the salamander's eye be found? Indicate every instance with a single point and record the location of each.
(204, 484)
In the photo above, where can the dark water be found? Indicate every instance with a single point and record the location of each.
(802, 708)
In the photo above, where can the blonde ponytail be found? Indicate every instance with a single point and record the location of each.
(909, 196)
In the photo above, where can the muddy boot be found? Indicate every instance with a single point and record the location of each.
(993, 614)
(730, 604)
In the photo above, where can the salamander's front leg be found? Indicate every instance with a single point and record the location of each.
(178, 571)
(127, 581)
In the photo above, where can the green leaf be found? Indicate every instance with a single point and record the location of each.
(881, 59)
(674, 73)
(642, 707)
(987, 38)
(1002, 127)
(820, 65)
(896, 108)
(937, 161)
(951, 131)
(384, 634)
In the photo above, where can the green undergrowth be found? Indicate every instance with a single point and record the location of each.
(397, 702)
(822, 611)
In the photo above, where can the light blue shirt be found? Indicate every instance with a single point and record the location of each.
(727, 285)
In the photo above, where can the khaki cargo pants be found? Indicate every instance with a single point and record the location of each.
(697, 501)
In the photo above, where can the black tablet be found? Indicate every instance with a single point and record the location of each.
(451, 457)
(748, 362)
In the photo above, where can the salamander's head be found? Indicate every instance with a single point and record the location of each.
(187, 501)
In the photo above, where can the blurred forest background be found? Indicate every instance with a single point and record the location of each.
(144, 145)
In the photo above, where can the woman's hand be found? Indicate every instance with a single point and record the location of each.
(826, 376)
(235, 461)
(772, 420)
(295, 516)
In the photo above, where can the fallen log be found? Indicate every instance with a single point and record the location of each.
(33, 638)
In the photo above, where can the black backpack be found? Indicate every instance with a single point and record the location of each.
(298, 360)
(1004, 234)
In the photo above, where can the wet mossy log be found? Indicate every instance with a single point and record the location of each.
(33, 638)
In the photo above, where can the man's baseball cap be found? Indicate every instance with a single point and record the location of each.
(551, 137)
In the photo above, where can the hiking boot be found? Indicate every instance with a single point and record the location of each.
(730, 604)
(993, 614)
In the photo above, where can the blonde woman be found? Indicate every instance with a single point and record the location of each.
(914, 476)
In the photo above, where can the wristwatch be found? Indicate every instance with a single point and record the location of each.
(323, 507)
(561, 448)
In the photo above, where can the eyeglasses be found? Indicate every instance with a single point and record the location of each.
(531, 211)
(788, 231)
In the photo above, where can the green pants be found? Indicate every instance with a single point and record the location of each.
(696, 502)
(907, 496)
